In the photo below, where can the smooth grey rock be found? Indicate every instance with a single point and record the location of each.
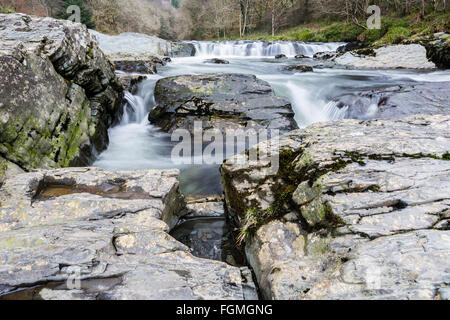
(397, 101)
(220, 101)
(373, 198)
(58, 93)
(132, 46)
(411, 56)
(107, 229)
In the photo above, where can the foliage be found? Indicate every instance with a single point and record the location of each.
(86, 12)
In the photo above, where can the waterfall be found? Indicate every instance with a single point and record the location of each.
(260, 48)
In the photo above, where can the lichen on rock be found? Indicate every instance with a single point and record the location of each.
(58, 92)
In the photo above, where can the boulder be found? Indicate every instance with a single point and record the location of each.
(357, 210)
(132, 46)
(136, 66)
(88, 234)
(220, 101)
(298, 68)
(354, 45)
(325, 55)
(280, 56)
(438, 50)
(410, 56)
(397, 101)
(58, 93)
(131, 83)
(217, 61)
(301, 56)
(182, 49)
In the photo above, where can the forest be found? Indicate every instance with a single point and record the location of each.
(306, 20)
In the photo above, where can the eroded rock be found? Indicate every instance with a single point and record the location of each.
(357, 210)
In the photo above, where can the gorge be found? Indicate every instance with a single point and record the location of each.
(364, 169)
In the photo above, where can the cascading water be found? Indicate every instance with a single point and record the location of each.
(260, 48)
(136, 144)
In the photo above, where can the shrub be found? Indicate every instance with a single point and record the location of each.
(305, 35)
(370, 35)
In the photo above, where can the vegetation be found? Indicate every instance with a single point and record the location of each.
(299, 20)
(85, 11)
(5, 10)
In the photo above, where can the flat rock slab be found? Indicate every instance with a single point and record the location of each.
(411, 56)
(357, 210)
(223, 101)
(106, 230)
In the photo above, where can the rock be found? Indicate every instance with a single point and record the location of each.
(298, 68)
(354, 45)
(131, 83)
(280, 56)
(412, 56)
(166, 60)
(90, 234)
(366, 200)
(217, 61)
(301, 56)
(58, 93)
(397, 101)
(182, 49)
(132, 46)
(437, 47)
(221, 101)
(325, 55)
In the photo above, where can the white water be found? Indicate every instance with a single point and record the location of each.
(136, 144)
(260, 48)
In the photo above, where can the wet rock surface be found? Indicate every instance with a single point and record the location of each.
(397, 101)
(132, 46)
(182, 49)
(107, 229)
(58, 93)
(222, 101)
(217, 61)
(354, 212)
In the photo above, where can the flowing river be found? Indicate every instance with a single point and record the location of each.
(136, 144)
